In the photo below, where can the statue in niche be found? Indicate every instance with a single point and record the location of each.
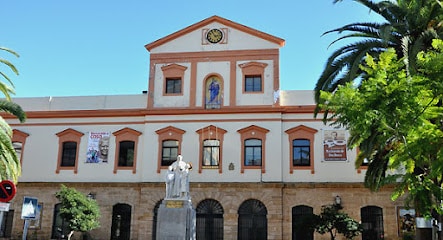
(213, 93)
(177, 179)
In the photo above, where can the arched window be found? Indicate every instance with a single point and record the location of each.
(121, 222)
(209, 220)
(372, 223)
(300, 215)
(252, 221)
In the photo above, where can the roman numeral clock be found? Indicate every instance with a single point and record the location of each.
(215, 35)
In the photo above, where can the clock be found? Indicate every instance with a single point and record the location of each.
(214, 35)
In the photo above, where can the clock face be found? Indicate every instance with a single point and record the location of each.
(214, 35)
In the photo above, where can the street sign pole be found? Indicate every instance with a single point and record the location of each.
(25, 229)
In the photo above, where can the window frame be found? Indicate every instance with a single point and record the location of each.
(254, 69)
(172, 159)
(19, 137)
(253, 132)
(253, 79)
(211, 147)
(253, 147)
(168, 133)
(301, 132)
(175, 90)
(125, 135)
(211, 132)
(69, 148)
(300, 146)
(173, 72)
(68, 135)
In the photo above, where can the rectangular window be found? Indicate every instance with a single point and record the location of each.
(126, 154)
(301, 152)
(253, 83)
(253, 152)
(169, 152)
(211, 153)
(173, 85)
(69, 154)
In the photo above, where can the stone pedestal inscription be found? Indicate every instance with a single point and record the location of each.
(176, 220)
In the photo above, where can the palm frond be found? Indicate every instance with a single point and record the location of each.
(13, 108)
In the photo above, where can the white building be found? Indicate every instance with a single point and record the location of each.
(258, 154)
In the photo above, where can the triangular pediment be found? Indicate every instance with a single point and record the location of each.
(235, 36)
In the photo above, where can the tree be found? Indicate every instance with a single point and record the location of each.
(396, 121)
(81, 213)
(332, 221)
(409, 27)
(9, 162)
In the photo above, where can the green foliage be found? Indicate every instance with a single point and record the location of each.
(396, 120)
(332, 221)
(408, 27)
(80, 212)
(4, 88)
(9, 162)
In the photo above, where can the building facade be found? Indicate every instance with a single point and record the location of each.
(260, 159)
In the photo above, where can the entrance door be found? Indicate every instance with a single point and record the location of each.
(121, 222)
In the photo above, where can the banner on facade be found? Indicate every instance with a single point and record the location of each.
(98, 147)
(334, 145)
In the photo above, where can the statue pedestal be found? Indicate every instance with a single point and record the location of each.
(176, 220)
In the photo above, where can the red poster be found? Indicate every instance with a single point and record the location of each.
(334, 145)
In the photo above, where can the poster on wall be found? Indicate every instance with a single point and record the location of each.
(406, 222)
(334, 145)
(98, 147)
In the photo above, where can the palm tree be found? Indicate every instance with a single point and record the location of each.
(409, 27)
(9, 162)
(7, 90)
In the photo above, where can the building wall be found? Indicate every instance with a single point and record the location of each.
(278, 198)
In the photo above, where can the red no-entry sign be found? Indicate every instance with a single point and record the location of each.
(7, 190)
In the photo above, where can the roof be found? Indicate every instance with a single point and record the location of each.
(221, 20)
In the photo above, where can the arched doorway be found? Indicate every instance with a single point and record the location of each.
(121, 222)
(252, 220)
(209, 220)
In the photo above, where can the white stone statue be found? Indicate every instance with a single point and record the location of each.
(177, 179)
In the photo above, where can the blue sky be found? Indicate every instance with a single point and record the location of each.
(96, 47)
